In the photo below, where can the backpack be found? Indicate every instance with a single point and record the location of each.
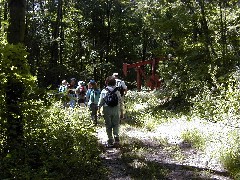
(62, 89)
(82, 90)
(111, 98)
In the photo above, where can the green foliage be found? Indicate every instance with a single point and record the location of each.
(195, 138)
(146, 109)
(220, 103)
(14, 63)
(16, 85)
(15, 70)
(230, 154)
(100, 32)
(56, 143)
(59, 144)
(92, 38)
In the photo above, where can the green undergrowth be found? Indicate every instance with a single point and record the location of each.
(194, 138)
(148, 110)
(230, 154)
(58, 144)
(142, 109)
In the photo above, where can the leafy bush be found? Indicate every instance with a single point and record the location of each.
(16, 85)
(230, 155)
(195, 138)
(220, 103)
(143, 109)
(59, 144)
(147, 108)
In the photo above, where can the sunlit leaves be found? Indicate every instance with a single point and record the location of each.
(230, 155)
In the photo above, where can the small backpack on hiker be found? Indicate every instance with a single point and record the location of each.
(111, 98)
(81, 89)
(81, 92)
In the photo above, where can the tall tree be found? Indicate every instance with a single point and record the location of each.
(15, 88)
(16, 27)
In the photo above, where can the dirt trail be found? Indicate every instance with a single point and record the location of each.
(175, 159)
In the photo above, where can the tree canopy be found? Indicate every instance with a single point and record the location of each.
(92, 39)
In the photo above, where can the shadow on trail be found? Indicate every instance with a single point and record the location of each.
(129, 162)
(142, 158)
(159, 170)
(139, 168)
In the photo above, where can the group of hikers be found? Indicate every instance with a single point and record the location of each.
(110, 99)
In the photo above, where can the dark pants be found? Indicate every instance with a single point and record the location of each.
(94, 109)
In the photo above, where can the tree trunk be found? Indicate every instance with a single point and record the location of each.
(16, 27)
(108, 39)
(223, 30)
(5, 11)
(15, 88)
(144, 44)
(1, 10)
(55, 36)
(205, 30)
(61, 44)
(52, 79)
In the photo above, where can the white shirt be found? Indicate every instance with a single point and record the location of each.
(120, 83)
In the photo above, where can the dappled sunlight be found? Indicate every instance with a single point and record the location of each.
(139, 107)
(178, 145)
(176, 68)
(162, 151)
(137, 164)
(172, 132)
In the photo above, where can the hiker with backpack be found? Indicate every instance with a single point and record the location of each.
(71, 91)
(123, 90)
(63, 87)
(110, 98)
(62, 90)
(81, 92)
(92, 97)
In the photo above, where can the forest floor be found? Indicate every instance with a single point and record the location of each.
(162, 153)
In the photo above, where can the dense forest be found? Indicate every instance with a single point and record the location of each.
(43, 42)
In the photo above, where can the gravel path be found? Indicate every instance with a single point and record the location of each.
(180, 159)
